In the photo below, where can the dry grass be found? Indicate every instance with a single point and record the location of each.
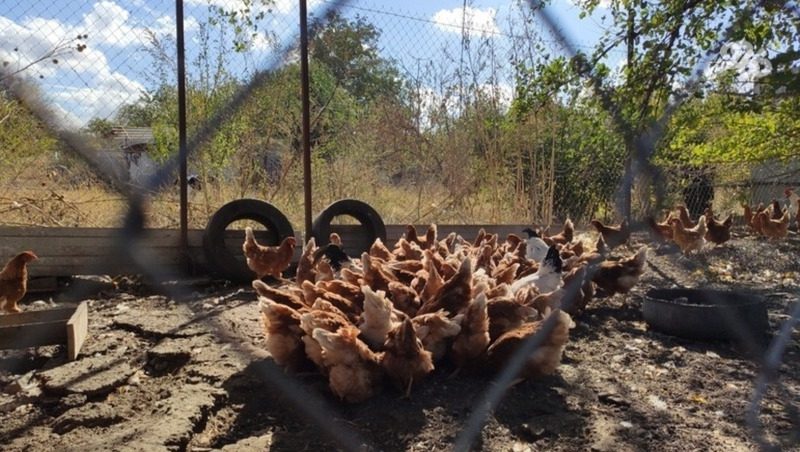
(49, 204)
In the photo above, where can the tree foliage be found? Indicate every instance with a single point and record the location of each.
(349, 49)
(560, 146)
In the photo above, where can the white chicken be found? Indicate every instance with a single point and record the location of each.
(535, 247)
(547, 278)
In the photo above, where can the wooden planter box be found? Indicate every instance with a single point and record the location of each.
(65, 325)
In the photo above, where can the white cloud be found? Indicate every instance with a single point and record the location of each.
(229, 5)
(481, 21)
(42, 45)
(277, 6)
(501, 93)
(110, 24)
(77, 85)
(101, 100)
(288, 6)
(602, 4)
(262, 42)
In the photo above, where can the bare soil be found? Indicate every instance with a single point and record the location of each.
(188, 371)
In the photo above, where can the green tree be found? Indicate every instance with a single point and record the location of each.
(664, 43)
(349, 48)
(99, 127)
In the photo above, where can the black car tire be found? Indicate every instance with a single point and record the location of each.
(221, 260)
(370, 220)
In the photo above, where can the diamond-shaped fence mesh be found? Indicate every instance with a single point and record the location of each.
(417, 111)
(431, 117)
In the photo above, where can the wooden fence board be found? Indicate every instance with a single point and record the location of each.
(77, 330)
(70, 251)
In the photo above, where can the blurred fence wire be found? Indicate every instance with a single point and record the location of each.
(421, 93)
(407, 110)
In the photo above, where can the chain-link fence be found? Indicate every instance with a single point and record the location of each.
(426, 116)
(406, 102)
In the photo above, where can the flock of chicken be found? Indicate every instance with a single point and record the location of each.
(771, 221)
(396, 314)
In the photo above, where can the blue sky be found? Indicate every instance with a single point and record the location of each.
(114, 68)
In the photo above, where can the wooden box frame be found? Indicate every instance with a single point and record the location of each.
(62, 325)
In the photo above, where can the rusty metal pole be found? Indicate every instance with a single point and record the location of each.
(306, 117)
(182, 151)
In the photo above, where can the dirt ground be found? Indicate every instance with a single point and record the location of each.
(188, 371)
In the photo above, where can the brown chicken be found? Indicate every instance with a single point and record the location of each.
(376, 274)
(327, 306)
(316, 318)
(268, 260)
(565, 236)
(797, 216)
(379, 250)
(543, 301)
(512, 241)
(404, 249)
(344, 289)
(774, 229)
(312, 293)
(471, 342)
(777, 212)
(576, 296)
(410, 266)
(718, 232)
(435, 331)
(614, 236)
(751, 219)
(324, 271)
(354, 371)
(405, 360)
(430, 236)
(545, 358)
(305, 266)
(505, 272)
(352, 276)
(620, 276)
(661, 231)
(686, 219)
(281, 296)
(689, 239)
(505, 314)
(793, 199)
(404, 298)
(14, 281)
(283, 334)
(378, 319)
(454, 295)
(433, 284)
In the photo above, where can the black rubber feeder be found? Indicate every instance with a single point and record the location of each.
(706, 314)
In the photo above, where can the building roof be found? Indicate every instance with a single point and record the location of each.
(126, 137)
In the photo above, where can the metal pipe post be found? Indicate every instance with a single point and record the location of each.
(182, 151)
(306, 116)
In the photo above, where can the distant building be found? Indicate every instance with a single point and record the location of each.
(770, 179)
(133, 142)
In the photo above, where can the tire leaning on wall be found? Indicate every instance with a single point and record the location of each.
(371, 221)
(221, 260)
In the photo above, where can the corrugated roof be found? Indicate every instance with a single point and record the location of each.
(132, 136)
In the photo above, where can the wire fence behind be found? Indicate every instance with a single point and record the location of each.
(408, 120)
